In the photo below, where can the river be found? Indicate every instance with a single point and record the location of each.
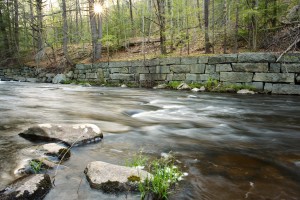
(232, 146)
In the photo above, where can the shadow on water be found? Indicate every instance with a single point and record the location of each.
(232, 146)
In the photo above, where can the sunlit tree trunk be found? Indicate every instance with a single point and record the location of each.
(96, 31)
(131, 17)
(225, 27)
(235, 50)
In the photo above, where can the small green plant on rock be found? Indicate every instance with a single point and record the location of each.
(165, 176)
(36, 165)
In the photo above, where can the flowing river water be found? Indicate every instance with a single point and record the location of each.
(232, 146)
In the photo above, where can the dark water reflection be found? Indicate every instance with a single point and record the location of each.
(232, 146)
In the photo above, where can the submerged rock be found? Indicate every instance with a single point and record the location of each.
(38, 159)
(183, 86)
(114, 178)
(245, 91)
(33, 187)
(77, 134)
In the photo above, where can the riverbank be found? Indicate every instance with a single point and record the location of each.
(265, 72)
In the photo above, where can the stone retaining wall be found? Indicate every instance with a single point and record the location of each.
(257, 69)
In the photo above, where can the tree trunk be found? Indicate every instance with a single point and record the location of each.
(65, 32)
(4, 35)
(131, 17)
(39, 8)
(170, 12)
(96, 31)
(206, 15)
(199, 14)
(16, 25)
(162, 25)
(32, 24)
(235, 50)
(225, 27)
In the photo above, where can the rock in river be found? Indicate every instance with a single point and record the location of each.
(114, 178)
(77, 134)
(33, 187)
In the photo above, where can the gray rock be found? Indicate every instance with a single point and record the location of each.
(138, 70)
(121, 70)
(169, 61)
(113, 178)
(180, 68)
(245, 77)
(162, 69)
(33, 187)
(59, 78)
(153, 77)
(202, 89)
(274, 77)
(192, 77)
(250, 67)
(161, 86)
(290, 58)
(176, 77)
(256, 57)
(275, 67)
(197, 68)
(70, 74)
(287, 68)
(203, 59)
(195, 90)
(298, 79)
(120, 64)
(189, 60)
(223, 68)
(245, 91)
(286, 89)
(183, 86)
(77, 134)
(31, 80)
(257, 85)
(124, 77)
(210, 69)
(268, 87)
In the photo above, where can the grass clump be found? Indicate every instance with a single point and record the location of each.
(36, 166)
(165, 175)
(173, 84)
(138, 160)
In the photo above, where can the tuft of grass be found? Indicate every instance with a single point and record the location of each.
(196, 85)
(173, 84)
(164, 177)
(36, 166)
(138, 160)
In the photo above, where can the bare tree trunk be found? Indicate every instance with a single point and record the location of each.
(16, 25)
(187, 27)
(199, 15)
(4, 35)
(65, 32)
(39, 8)
(131, 17)
(225, 27)
(235, 50)
(32, 24)
(162, 25)
(206, 18)
(170, 11)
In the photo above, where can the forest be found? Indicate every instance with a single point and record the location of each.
(59, 33)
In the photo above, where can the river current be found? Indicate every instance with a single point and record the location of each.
(232, 146)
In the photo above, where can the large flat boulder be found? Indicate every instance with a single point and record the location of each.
(75, 135)
(114, 178)
(33, 187)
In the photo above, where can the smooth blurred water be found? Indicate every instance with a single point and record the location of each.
(232, 146)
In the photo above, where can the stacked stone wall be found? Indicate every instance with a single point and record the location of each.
(260, 70)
